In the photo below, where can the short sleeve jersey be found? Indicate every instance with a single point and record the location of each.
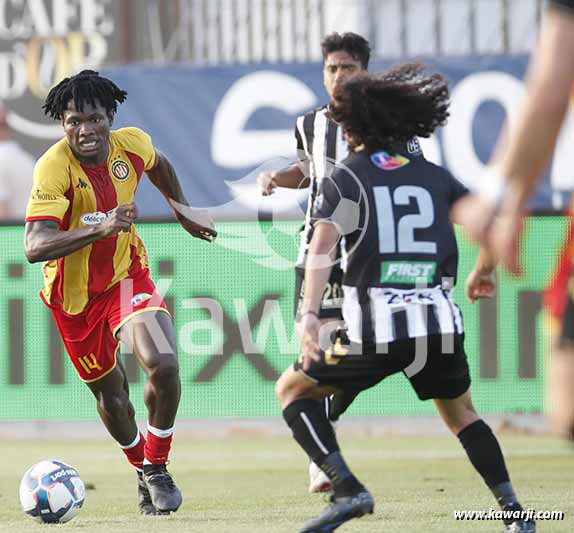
(393, 212)
(75, 196)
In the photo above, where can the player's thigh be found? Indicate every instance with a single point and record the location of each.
(151, 336)
(345, 365)
(440, 368)
(294, 385)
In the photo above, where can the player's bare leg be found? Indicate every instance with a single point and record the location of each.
(118, 415)
(485, 455)
(152, 337)
(562, 388)
(302, 402)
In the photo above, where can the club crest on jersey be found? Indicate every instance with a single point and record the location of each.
(139, 298)
(120, 170)
(389, 162)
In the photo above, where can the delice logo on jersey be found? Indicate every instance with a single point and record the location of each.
(120, 170)
(407, 273)
(386, 161)
(94, 218)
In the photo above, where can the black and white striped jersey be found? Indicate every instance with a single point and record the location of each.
(400, 247)
(320, 146)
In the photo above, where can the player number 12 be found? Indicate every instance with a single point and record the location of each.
(405, 229)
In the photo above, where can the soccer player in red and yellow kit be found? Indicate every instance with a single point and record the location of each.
(496, 218)
(79, 222)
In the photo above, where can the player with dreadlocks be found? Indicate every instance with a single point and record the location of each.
(79, 222)
(394, 210)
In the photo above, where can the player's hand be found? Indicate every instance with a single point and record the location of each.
(266, 182)
(204, 230)
(480, 285)
(476, 213)
(119, 219)
(504, 240)
(308, 329)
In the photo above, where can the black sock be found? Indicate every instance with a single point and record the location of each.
(314, 433)
(344, 482)
(311, 429)
(486, 456)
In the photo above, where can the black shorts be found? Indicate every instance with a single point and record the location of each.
(352, 367)
(332, 302)
(567, 330)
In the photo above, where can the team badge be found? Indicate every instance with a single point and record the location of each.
(120, 170)
(389, 162)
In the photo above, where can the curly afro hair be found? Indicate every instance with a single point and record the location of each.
(384, 111)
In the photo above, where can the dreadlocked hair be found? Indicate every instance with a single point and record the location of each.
(85, 87)
(384, 111)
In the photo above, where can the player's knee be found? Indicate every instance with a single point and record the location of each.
(288, 388)
(116, 405)
(280, 387)
(166, 371)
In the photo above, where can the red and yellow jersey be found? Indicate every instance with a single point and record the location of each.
(562, 283)
(75, 196)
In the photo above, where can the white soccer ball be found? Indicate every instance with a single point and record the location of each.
(52, 492)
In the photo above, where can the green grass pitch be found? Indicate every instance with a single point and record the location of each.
(258, 483)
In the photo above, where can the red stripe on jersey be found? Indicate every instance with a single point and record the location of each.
(135, 263)
(44, 217)
(101, 262)
(556, 295)
(57, 295)
(137, 162)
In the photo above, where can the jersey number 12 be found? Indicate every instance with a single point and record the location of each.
(405, 228)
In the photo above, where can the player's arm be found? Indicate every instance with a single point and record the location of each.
(43, 240)
(197, 222)
(481, 282)
(292, 177)
(317, 271)
(521, 158)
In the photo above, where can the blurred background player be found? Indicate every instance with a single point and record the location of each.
(97, 284)
(321, 144)
(397, 287)
(16, 171)
(519, 162)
